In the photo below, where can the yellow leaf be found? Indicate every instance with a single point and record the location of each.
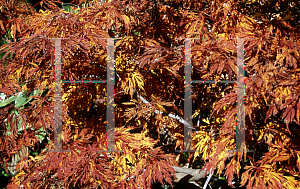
(206, 120)
(128, 103)
(161, 107)
(33, 64)
(1, 24)
(130, 159)
(13, 31)
(118, 43)
(18, 72)
(126, 21)
(196, 114)
(260, 136)
(123, 163)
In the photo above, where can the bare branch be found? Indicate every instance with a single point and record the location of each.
(181, 120)
(196, 174)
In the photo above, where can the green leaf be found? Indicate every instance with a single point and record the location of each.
(16, 113)
(7, 101)
(2, 96)
(27, 101)
(66, 8)
(36, 91)
(8, 32)
(21, 100)
(40, 134)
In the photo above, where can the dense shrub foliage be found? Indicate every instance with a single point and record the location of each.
(149, 93)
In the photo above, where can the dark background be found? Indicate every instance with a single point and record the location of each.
(37, 6)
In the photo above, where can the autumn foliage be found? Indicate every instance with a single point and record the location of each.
(149, 66)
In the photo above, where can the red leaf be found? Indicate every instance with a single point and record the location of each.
(289, 114)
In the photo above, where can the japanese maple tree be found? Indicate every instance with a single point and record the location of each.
(149, 92)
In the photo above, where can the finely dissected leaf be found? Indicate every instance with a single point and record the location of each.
(151, 50)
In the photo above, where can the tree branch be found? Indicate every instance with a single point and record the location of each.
(207, 180)
(196, 174)
(181, 120)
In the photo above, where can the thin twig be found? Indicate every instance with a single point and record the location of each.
(181, 120)
(207, 180)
